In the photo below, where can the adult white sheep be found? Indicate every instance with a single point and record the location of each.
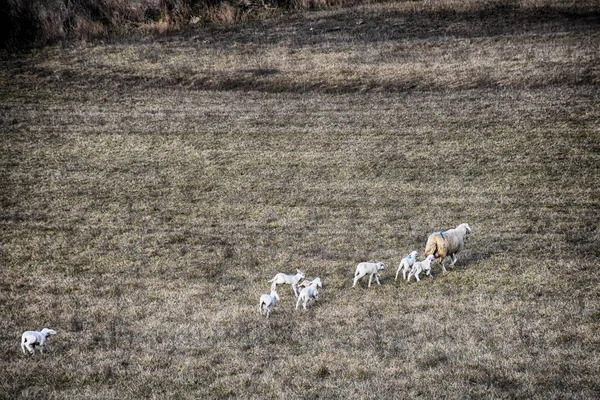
(309, 293)
(406, 264)
(293, 280)
(447, 243)
(370, 268)
(421, 266)
(30, 339)
(267, 301)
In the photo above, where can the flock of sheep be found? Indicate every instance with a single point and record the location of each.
(439, 245)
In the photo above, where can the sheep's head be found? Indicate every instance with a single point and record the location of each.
(47, 331)
(300, 273)
(464, 228)
(413, 254)
(317, 281)
(380, 266)
(430, 257)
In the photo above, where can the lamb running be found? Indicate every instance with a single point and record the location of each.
(267, 301)
(448, 243)
(289, 279)
(406, 264)
(309, 293)
(421, 266)
(365, 268)
(30, 339)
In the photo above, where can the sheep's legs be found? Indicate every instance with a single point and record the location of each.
(28, 346)
(377, 279)
(453, 257)
(370, 278)
(356, 278)
(397, 272)
(443, 267)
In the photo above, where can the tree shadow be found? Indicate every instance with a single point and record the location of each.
(383, 24)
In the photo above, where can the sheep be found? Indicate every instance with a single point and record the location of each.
(406, 264)
(421, 266)
(364, 268)
(289, 279)
(30, 339)
(266, 303)
(309, 293)
(448, 243)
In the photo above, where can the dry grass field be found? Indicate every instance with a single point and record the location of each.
(151, 186)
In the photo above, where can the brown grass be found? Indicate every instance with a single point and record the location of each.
(151, 187)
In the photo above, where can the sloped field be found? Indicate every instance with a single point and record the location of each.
(151, 188)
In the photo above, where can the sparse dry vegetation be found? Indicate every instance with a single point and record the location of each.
(151, 185)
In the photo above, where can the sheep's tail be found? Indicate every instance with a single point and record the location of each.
(432, 246)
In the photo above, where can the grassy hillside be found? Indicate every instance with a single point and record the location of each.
(150, 188)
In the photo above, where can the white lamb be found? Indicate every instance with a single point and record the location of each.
(421, 266)
(267, 301)
(289, 279)
(30, 339)
(365, 268)
(309, 293)
(406, 264)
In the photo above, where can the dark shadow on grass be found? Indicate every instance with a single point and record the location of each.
(261, 71)
(358, 25)
(338, 30)
(268, 81)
